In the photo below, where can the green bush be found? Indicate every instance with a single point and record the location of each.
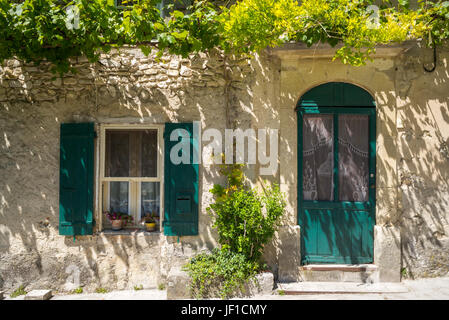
(221, 272)
(246, 220)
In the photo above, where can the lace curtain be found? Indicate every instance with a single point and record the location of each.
(353, 160)
(318, 157)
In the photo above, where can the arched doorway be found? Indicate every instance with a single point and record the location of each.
(336, 174)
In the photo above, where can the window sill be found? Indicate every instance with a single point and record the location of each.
(129, 232)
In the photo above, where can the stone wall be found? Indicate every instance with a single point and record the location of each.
(422, 161)
(412, 136)
(127, 87)
(123, 87)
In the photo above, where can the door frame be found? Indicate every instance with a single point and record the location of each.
(334, 105)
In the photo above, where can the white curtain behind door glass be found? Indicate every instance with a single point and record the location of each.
(353, 161)
(318, 157)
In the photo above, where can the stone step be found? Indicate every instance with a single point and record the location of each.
(297, 288)
(39, 295)
(360, 273)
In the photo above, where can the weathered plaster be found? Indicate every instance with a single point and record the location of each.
(221, 92)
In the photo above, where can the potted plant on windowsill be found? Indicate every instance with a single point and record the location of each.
(119, 220)
(150, 222)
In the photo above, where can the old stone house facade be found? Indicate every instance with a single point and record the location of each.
(130, 100)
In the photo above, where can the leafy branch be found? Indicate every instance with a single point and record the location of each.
(57, 30)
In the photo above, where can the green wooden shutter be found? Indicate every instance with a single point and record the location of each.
(180, 186)
(76, 166)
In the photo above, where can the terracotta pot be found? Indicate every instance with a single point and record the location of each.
(116, 224)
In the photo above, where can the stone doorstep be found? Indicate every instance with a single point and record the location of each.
(340, 267)
(359, 273)
(39, 295)
(296, 288)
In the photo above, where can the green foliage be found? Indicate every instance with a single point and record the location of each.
(101, 290)
(191, 32)
(252, 25)
(435, 17)
(138, 288)
(245, 219)
(58, 30)
(35, 30)
(161, 286)
(241, 222)
(78, 290)
(404, 272)
(55, 31)
(20, 291)
(223, 271)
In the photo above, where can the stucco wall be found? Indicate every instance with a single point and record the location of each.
(412, 136)
(127, 87)
(123, 87)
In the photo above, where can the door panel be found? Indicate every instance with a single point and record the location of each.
(319, 227)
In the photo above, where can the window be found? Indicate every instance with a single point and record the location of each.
(131, 175)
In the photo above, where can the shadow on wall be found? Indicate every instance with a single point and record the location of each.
(423, 164)
(414, 166)
(412, 154)
(32, 252)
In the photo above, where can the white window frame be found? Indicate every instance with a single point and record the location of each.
(134, 182)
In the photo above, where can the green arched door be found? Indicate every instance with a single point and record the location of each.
(336, 174)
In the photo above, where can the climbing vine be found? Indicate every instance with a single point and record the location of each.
(58, 30)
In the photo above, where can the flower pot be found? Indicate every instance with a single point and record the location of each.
(150, 226)
(116, 224)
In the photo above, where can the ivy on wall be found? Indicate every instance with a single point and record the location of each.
(57, 30)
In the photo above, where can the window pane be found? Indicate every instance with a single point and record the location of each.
(150, 199)
(353, 160)
(118, 197)
(131, 153)
(318, 157)
(149, 154)
(117, 154)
